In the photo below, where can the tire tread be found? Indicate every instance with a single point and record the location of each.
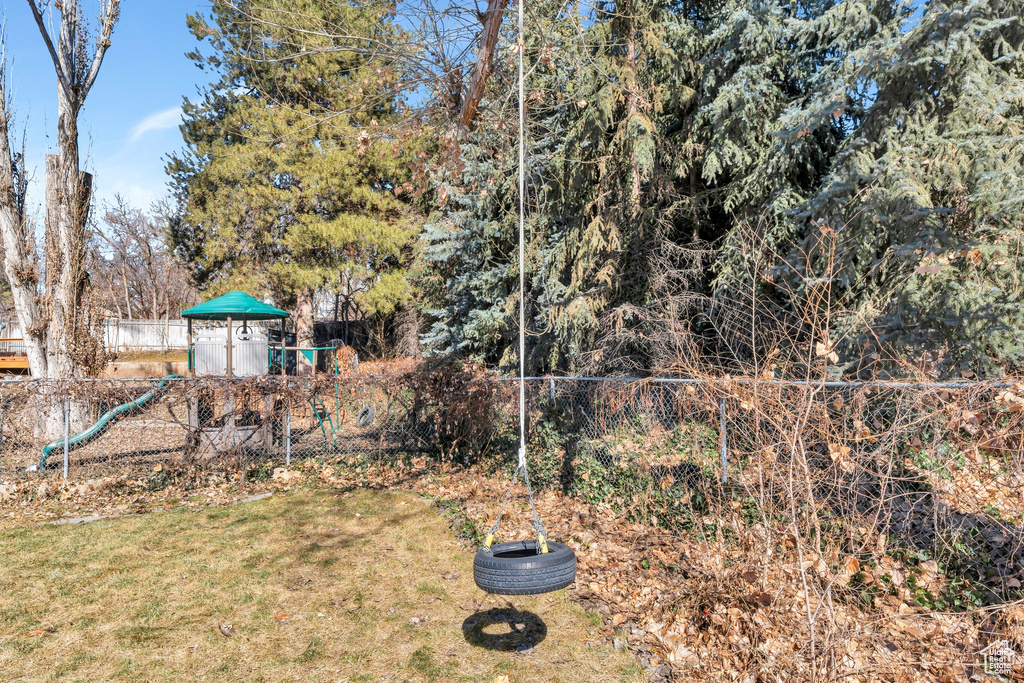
(530, 575)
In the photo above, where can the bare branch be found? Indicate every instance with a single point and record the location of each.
(484, 60)
(111, 10)
(62, 78)
(19, 263)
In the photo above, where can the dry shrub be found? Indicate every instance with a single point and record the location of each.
(461, 405)
(874, 510)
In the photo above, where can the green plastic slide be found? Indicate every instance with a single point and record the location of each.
(105, 420)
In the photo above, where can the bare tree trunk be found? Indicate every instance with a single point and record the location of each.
(124, 284)
(491, 19)
(56, 320)
(408, 322)
(20, 265)
(115, 298)
(70, 344)
(304, 329)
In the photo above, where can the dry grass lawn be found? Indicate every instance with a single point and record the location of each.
(314, 585)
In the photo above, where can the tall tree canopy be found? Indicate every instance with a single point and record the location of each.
(853, 169)
(924, 194)
(288, 180)
(706, 180)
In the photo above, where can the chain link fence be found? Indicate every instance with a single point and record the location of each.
(936, 470)
(117, 427)
(932, 474)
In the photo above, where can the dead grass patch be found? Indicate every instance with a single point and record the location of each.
(315, 585)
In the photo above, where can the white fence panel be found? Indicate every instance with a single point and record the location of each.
(159, 335)
(144, 335)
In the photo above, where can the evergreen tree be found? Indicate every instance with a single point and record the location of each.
(469, 247)
(604, 94)
(287, 183)
(620, 208)
(760, 61)
(924, 195)
(856, 165)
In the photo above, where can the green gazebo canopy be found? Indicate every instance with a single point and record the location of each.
(235, 305)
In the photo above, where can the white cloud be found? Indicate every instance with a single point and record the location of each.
(162, 120)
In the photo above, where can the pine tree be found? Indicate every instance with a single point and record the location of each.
(468, 264)
(618, 200)
(761, 61)
(468, 254)
(857, 165)
(287, 183)
(604, 94)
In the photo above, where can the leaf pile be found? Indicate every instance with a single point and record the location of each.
(714, 609)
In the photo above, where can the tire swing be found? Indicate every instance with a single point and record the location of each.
(523, 567)
(366, 415)
(535, 566)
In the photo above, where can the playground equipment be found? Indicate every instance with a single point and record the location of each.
(525, 567)
(215, 421)
(329, 419)
(232, 417)
(249, 353)
(236, 353)
(104, 422)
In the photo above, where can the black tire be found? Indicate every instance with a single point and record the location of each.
(519, 568)
(365, 416)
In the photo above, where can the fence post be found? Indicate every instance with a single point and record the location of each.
(67, 426)
(551, 387)
(725, 452)
(287, 430)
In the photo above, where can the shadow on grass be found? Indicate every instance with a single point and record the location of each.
(516, 631)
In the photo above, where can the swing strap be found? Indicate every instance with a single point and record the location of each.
(538, 526)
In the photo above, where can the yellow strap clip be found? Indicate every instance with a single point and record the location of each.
(543, 543)
(488, 541)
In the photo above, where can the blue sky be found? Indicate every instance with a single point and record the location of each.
(130, 120)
